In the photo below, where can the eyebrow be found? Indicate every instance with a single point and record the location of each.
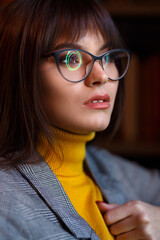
(105, 46)
(78, 46)
(67, 45)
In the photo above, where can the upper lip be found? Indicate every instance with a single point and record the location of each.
(105, 98)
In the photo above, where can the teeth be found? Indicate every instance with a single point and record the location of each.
(97, 101)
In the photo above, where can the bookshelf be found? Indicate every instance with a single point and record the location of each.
(138, 137)
(133, 7)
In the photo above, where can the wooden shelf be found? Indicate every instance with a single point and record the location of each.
(120, 8)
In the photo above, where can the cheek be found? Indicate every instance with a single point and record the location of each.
(56, 95)
(51, 99)
(48, 90)
(113, 89)
(112, 71)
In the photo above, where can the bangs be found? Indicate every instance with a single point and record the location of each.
(68, 21)
(75, 22)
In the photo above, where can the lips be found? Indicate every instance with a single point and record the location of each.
(98, 102)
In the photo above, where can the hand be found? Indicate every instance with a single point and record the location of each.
(134, 220)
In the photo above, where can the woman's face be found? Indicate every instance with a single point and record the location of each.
(73, 106)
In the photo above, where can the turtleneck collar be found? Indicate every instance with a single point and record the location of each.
(67, 155)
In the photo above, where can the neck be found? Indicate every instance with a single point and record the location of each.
(67, 153)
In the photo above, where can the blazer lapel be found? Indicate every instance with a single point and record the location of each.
(102, 170)
(43, 180)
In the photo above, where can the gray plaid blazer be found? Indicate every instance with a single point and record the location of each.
(34, 205)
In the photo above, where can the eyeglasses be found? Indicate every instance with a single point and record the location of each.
(75, 65)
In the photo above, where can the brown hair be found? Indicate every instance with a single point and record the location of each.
(29, 29)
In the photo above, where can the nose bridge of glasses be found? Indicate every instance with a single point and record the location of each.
(98, 59)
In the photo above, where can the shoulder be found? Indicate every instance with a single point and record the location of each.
(103, 159)
(137, 181)
(8, 179)
(12, 188)
(124, 170)
(12, 199)
(21, 209)
(15, 193)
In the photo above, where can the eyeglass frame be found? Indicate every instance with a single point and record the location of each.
(95, 58)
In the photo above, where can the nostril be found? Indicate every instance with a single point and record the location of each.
(96, 83)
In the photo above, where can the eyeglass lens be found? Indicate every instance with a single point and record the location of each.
(75, 65)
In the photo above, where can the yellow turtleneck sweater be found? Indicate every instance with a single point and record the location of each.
(66, 160)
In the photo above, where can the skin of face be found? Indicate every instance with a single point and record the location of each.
(65, 102)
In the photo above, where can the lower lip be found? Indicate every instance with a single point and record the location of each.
(99, 105)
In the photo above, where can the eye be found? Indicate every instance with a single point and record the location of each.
(73, 57)
(70, 57)
(73, 60)
(62, 59)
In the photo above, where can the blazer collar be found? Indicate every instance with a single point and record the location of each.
(43, 180)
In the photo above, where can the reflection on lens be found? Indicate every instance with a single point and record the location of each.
(72, 59)
(115, 64)
(107, 58)
(75, 65)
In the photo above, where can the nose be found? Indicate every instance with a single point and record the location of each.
(97, 76)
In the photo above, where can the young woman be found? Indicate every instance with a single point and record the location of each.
(62, 65)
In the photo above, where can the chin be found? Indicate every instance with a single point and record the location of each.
(89, 126)
(100, 129)
(88, 129)
(101, 125)
(98, 126)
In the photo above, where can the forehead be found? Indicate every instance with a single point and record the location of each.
(91, 42)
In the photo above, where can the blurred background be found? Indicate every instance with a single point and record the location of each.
(4, 3)
(138, 137)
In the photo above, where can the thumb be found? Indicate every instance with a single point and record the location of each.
(104, 207)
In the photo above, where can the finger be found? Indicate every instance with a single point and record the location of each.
(103, 207)
(132, 235)
(135, 234)
(123, 226)
(118, 213)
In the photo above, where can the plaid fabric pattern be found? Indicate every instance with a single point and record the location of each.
(34, 205)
